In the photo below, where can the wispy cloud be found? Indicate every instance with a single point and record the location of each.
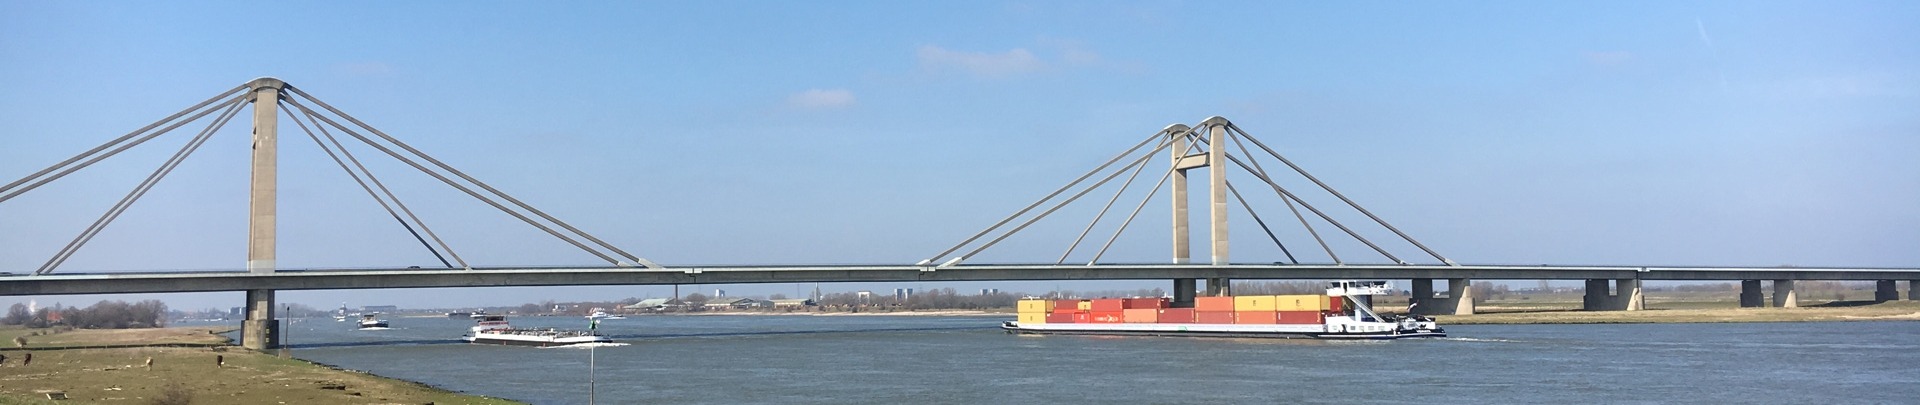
(1704, 38)
(822, 99)
(982, 64)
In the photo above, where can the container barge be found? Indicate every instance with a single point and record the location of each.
(1344, 312)
(493, 329)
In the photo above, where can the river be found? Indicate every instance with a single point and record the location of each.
(939, 359)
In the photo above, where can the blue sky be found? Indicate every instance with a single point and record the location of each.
(1640, 133)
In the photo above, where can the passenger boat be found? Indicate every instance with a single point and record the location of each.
(341, 314)
(599, 314)
(493, 329)
(372, 320)
(1345, 312)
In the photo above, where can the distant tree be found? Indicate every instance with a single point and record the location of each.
(695, 300)
(777, 296)
(17, 315)
(529, 308)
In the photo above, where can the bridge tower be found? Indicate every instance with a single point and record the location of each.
(1212, 133)
(260, 331)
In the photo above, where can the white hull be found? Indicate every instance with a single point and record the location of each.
(1315, 331)
(533, 338)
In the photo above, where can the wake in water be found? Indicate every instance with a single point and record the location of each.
(588, 345)
(1466, 339)
(375, 329)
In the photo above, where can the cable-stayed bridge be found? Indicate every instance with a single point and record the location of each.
(1215, 151)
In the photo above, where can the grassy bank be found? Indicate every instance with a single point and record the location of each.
(112, 366)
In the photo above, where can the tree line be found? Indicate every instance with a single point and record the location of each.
(102, 315)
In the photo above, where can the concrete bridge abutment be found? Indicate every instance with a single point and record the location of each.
(1613, 295)
(1459, 299)
(1460, 296)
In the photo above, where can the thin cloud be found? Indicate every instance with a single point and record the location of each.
(822, 99)
(1703, 32)
(981, 64)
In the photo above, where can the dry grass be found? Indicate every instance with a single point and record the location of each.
(63, 364)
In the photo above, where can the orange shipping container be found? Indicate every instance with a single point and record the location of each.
(1060, 317)
(1213, 317)
(1301, 317)
(1109, 305)
(1081, 317)
(1256, 317)
(1109, 317)
(1066, 305)
(1176, 315)
(1141, 315)
(1213, 304)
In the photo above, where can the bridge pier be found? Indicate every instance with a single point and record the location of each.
(1885, 290)
(1423, 296)
(1595, 298)
(1627, 295)
(1783, 296)
(1913, 290)
(1460, 295)
(1183, 289)
(1750, 294)
(1219, 287)
(260, 331)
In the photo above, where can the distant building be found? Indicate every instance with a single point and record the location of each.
(379, 308)
(989, 291)
(792, 303)
(237, 312)
(737, 303)
(656, 304)
(902, 294)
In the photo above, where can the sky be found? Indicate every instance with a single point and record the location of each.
(1743, 133)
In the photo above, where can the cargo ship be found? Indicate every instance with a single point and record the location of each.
(493, 329)
(1344, 312)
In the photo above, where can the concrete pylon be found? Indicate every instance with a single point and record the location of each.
(1597, 296)
(1885, 290)
(1460, 293)
(1750, 294)
(1913, 293)
(1183, 288)
(1423, 295)
(260, 331)
(1783, 296)
(1627, 295)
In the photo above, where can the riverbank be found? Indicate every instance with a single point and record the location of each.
(1825, 312)
(186, 365)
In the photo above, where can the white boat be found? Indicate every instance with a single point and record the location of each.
(493, 329)
(1356, 321)
(372, 320)
(599, 314)
(341, 314)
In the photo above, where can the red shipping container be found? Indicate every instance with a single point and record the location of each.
(1060, 317)
(1109, 317)
(1336, 304)
(1066, 306)
(1213, 304)
(1109, 305)
(1176, 315)
(1082, 317)
(1256, 318)
(1301, 318)
(1144, 303)
(1213, 317)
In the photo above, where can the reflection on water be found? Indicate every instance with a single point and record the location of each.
(803, 359)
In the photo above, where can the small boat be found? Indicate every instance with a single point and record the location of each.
(1344, 312)
(371, 320)
(340, 315)
(598, 314)
(493, 329)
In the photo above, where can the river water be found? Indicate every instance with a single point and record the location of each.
(934, 359)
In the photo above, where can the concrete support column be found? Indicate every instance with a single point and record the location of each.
(1219, 287)
(1217, 186)
(259, 331)
(1783, 296)
(1627, 297)
(1423, 295)
(1913, 293)
(1183, 289)
(1596, 297)
(1750, 294)
(1885, 290)
(265, 187)
(1460, 292)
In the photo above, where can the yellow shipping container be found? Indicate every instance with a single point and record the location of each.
(1035, 306)
(1254, 303)
(1302, 302)
(1032, 319)
(1086, 305)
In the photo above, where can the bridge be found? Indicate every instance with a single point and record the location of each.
(1208, 145)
